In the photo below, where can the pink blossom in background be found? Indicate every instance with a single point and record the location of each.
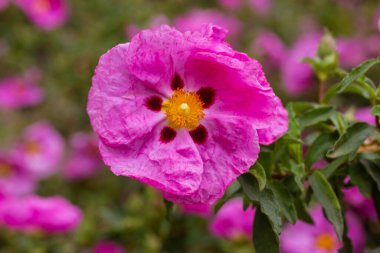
(231, 221)
(376, 19)
(34, 213)
(372, 44)
(197, 209)
(195, 19)
(84, 159)
(352, 51)
(296, 75)
(261, 6)
(320, 237)
(230, 4)
(195, 117)
(364, 114)
(3, 4)
(39, 149)
(107, 247)
(269, 45)
(46, 14)
(363, 206)
(19, 92)
(14, 179)
(132, 29)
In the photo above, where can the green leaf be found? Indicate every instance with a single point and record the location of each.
(265, 200)
(329, 201)
(285, 201)
(265, 239)
(360, 178)
(356, 73)
(351, 140)
(259, 173)
(298, 171)
(339, 122)
(329, 170)
(373, 170)
(302, 211)
(319, 148)
(375, 111)
(314, 116)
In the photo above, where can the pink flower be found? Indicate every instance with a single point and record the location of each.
(180, 110)
(359, 203)
(39, 149)
(46, 14)
(34, 213)
(298, 76)
(261, 6)
(352, 51)
(364, 114)
(107, 247)
(270, 46)
(84, 159)
(231, 221)
(195, 19)
(198, 209)
(14, 179)
(230, 4)
(3, 4)
(320, 237)
(132, 29)
(18, 92)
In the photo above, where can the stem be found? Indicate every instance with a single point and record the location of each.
(377, 122)
(321, 91)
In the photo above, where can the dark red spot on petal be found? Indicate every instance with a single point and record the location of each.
(177, 82)
(154, 103)
(199, 134)
(207, 96)
(167, 134)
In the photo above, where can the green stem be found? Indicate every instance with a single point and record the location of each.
(321, 91)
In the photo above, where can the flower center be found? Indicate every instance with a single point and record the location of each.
(32, 148)
(42, 6)
(5, 170)
(325, 242)
(183, 110)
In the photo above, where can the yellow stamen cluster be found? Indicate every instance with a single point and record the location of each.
(32, 148)
(183, 110)
(325, 242)
(5, 169)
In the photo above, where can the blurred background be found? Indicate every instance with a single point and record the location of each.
(49, 163)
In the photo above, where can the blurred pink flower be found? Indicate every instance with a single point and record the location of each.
(230, 4)
(132, 29)
(372, 45)
(364, 114)
(34, 213)
(39, 149)
(84, 159)
(231, 221)
(359, 203)
(320, 237)
(198, 209)
(298, 76)
(352, 51)
(46, 14)
(107, 247)
(3, 4)
(261, 6)
(195, 19)
(18, 92)
(269, 45)
(14, 179)
(180, 110)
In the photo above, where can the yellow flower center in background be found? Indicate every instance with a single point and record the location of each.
(325, 242)
(183, 109)
(5, 170)
(32, 148)
(42, 6)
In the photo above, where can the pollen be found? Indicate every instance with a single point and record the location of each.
(183, 110)
(325, 242)
(5, 169)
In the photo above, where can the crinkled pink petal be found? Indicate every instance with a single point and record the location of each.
(175, 167)
(46, 14)
(230, 149)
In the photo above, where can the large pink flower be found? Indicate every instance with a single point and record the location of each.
(14, 179)
(39, 149)
(84, 159)
(232, 221)
(181, 112)
(18, 92)
(33, 213)
(320, 237)
(46, 14)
